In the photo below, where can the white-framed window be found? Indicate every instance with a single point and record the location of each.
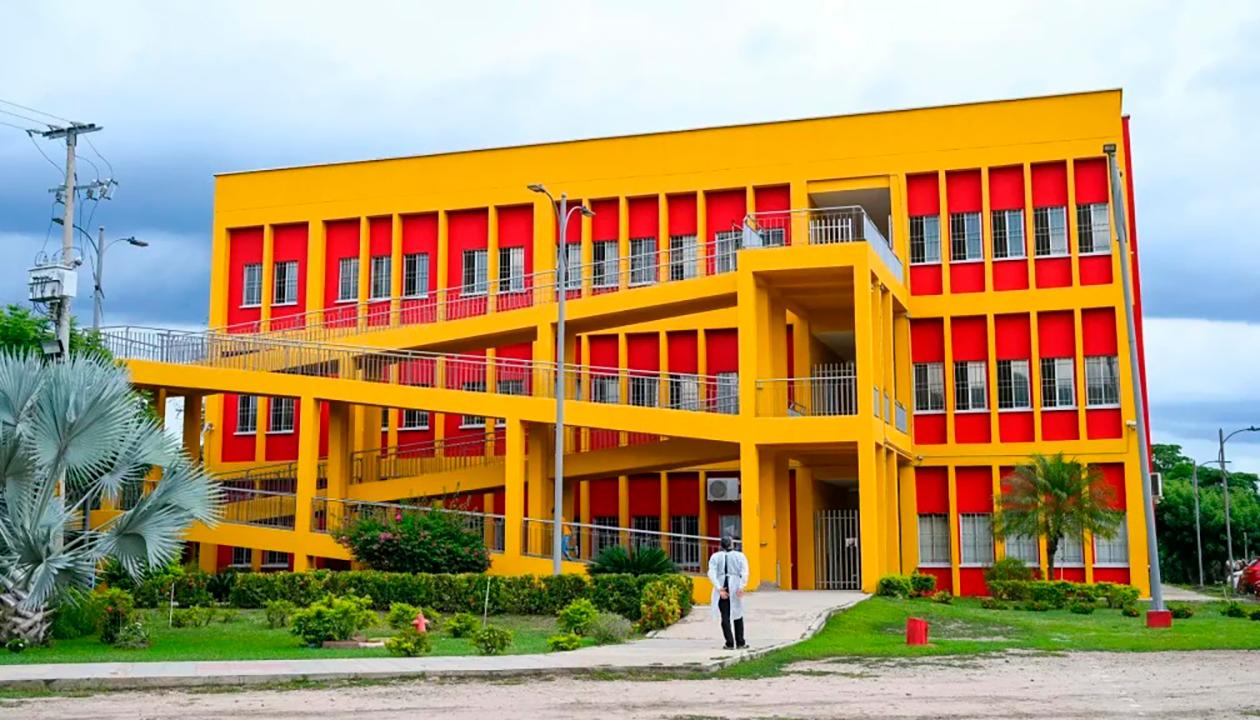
(414, 420)
(242, 557)
(348, 279)
(473, 421)
(642, 261)
(605, 533)
(605, 389)
(975, 546)
(1050, 231)
(765, 237)
(684, 391)
(1025, 548)
(475, 274)
(572, 266)
(416, 275)
(246, 414)
(1008, 234)
(934, 539)
(1093, 229)
(971, 386)
(511, 269)
(727, 392)
(1058, 383)
(606, 257)
(685, 554)
(726, 250)
(251, 286)
(379, 272)
(929, 387)
(966, 237)
(683, 256)
(510, 386)
(1014, 385)
(1114, 551)
(1070, 553)
(280, 414)
(645, 390)
(925, 240)
(275, 559)
(385, 413)
(1102, 381)
(284, 290)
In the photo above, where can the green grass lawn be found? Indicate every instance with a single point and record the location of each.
(876, 628)
(249, 638)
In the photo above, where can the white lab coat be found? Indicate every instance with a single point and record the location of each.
(732, 564)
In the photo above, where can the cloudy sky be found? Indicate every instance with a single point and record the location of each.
(186, 89)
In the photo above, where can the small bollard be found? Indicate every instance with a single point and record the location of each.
(916, 631)
(1158, 619)
(420, 623)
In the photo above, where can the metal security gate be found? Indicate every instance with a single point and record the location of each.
(838, 560)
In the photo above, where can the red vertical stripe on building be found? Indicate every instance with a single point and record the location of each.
(644, 216)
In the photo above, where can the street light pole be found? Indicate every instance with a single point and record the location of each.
(98, 272)
(563, 215)
(1135, 377)
(1229, 538)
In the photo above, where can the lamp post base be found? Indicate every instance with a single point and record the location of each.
(1158, 619)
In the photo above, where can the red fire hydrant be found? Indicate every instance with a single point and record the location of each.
(420, 623)
(916, 631)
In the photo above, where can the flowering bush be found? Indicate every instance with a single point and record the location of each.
(333, 618)
(425, 542)
(118, 610)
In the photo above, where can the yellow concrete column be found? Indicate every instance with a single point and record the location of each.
(307, 474)
(316, 247)
(946, 245)
(999, 545)
(870, 530)
(514, 477)
(664, 481)
(751, 468)
(805, 509)
(539, 483)
(1034, 373)
(268, 265)
(492, 258)
(1073, 241)
(192, 426)
(260, 435)
(623, 500)
(1030, 241)
(662, 236)
(623, 242)
(954, 537)
(340, 464)
(904, 371)
(798, 193)
(586, 250)
(909, 518)
(365, 265)
(780, 522)
(395, 270)
(704, 503)
(1079, 361)
(207, 557)
(443, 263)
(702, 235)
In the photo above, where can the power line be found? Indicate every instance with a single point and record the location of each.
(31, 109)
(15, 127)
(104, 159)
(27, 118)
(41, 152)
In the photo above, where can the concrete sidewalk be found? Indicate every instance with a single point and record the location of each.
(774, 619)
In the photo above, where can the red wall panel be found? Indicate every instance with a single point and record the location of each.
(972, 427)
(516, 229)
(290, 245)
(931, 490)
(606, 223)
(927, 340)
(283, 446)
(419, 235)
(236, 448)
(1095, 269)
(380, 242)
(245, 247)
(1091, 180)
(1098, 330)
(966, 277)
(1103, 423)
(721, 351)
(1006, 188)
(604, 497)
(944, 578)
(1053, 272)
(963, 191)
(975, 489)
(1056, 336)
(923, 195)
(643, 351)
(1113, 475)
(1015, 426)
(644, 217)
(775, 199)
(682, 214)
(604, 351)
(929, 428)
(341, 241)
(1049, 184)
(1059, 425)
(971, 582)
(467, 230)
(684, 494)
(682, 352)
(724, 211)
(1010, 274)
(926, 280)
(1012, 338)
(1118, 575)
(645, 495)
(969, 338)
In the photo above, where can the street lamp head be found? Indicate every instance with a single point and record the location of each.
(536, 187)
(587, 211)
(137, 243)
(1109, 149)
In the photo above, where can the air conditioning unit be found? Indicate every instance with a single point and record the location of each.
(722, 488)
(1157, 486)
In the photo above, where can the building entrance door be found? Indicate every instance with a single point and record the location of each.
(838, 561)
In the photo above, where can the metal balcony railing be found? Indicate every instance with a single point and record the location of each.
(331, 514)
(830, 394)
(825, 226)
(690, 553)
(468, 373)
(263, 508)
(432, 456)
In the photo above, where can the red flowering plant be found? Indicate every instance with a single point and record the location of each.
(431, 540)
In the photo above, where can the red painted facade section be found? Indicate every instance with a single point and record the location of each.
(775, 199)
(467, 230)
(724, 212)
(420, 235)
(516, 229)
(1049, 189)
(683, 352)
(721, 351)
(341, 241)
(645, 219)
(927, 344)
(380, 244)
(1006, 192)
(923, 198)
(963, 192)
(236, 448)
(1013, 341)
(290, 245)
(645, 495)
(282, 446)
(682, 214)
(606, 223)
(245, 247)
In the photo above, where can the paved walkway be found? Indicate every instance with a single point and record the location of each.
(1176, 594)
(774, 619)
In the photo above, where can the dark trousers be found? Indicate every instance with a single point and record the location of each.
(724, 607)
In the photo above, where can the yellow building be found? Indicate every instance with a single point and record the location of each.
(829, 337)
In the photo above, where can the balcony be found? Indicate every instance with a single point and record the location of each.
(824, 226)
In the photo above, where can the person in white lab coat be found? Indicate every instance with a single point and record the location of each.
(728, 572)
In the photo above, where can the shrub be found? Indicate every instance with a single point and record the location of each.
(423, 542)
(922, 584)
(333, 618)
(463, 625)
(76, 614)
(943, 597)
(894, 586)
(563, 643)
(118, 610)
(576, 617)
(1181, 611)
(1130, 611)
(227, 615)
(560, 590)
(409, 643)
(1080, 608)
(1007, 569)
(1234, 609)
(617, 593)
(191, 617)
(1012, 590)
(992, 603)
(683, 588)
(401, 615)
(659, 607)
(433, 618)
(133, 636)
(492, 640)
(278, 613)
(1255, 614)
(15, 644)
(191, 588)
(1118, 596)
(609, 629)
(643, 560)
(1035, 606)
(220, 585)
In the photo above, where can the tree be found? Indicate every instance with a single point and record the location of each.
(432, 540)
(1057, 498)
(79, 420)
(22, 331)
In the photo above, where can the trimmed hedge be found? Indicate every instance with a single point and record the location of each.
(1062, 593)
(511, 594)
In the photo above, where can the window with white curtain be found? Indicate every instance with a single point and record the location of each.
(476, 272)
(572, 266)
(929, 387)
(416, 275)
(1025, 548)
(348, 279)
(1093, 229)
(511, 269)
(642, 261)
(966, 237)
(1008, 234)
(934, 539)
(605, 389)
(645, 390)
(280, 415)
(726, 247)
(1014, 385)
(1050, 231)
(1102, 381)
(976, 539)
(727, 391)
(246, 414)
(925, 240)
(970, 386)
(379, 273)
(684, 391)
(251, 287)
(242, 557)
(606, 271)
(284, 289)
(683, 256)
(1058, 386)
(1113, 551)
(414, 420)
(1070, 553)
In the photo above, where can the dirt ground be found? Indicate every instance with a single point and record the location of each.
(1082, 685)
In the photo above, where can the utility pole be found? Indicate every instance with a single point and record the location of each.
(71, 133)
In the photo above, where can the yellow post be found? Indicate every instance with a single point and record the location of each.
(192, 426)
(207, 557)
(339, 460)
(954, 540)
(539, 484)
(805, 508)
(514, 487)
(307, 474)
(750, 510)
(909, 519)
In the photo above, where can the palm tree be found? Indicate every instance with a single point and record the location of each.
(1054, 497)
(71, 434)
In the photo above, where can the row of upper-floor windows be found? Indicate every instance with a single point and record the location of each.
(1050, 234)
(1014, 384)
(976, 544)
